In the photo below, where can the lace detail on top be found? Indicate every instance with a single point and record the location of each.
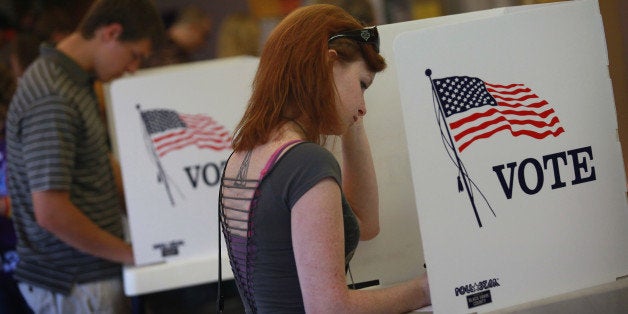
(237, 205)
(236, 210)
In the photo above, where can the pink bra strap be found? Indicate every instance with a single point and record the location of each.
(274, 156)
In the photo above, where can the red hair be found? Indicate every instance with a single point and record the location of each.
(294, 79)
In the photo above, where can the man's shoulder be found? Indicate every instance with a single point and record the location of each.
(44, 80)
(43, 68)
(42, 75)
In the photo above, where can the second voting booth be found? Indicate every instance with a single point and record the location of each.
(494, 138)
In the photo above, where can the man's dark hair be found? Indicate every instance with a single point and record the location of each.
(139, 19)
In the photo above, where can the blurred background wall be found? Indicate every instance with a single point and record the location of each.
(235, 24)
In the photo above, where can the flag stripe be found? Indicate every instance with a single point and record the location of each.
(190, 138)
(513, 92)
(500, 119)
(502, 86)
(533, 134)
(530, 105)
(500, 111)
(522, 98)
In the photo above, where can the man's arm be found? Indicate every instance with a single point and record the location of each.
(117, 175)
(55, 213)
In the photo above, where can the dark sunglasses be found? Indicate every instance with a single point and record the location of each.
(366, 35)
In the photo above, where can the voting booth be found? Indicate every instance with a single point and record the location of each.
(516, 163)
(173, 128)
(506, 202)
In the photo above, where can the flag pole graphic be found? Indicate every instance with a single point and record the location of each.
(461, 173)
(161, 173)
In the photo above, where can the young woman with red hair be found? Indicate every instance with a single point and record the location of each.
(290, 220)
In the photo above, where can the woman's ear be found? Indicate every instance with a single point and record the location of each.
(332, 54)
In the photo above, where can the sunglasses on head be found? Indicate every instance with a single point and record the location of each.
(365, 35)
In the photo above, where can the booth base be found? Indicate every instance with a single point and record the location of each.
(170, 275)
(610, 298)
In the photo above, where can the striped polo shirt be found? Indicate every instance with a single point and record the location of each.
(57, 141)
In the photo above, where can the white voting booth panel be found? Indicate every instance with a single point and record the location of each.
(172, 128)
(396, 253)
(515, 158)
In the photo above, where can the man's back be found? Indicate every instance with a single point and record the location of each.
(56, 141)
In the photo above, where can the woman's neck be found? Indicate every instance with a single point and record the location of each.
(290, 130)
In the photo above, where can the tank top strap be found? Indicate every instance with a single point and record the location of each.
(274, 156)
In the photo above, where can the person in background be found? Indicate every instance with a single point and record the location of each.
(239, 35)
(24, 49)
(8, 30)
(291, 218)
(11, 300)
(54, 23)
(51, 23)
(362, 10)
(187, 34)
(66, 207)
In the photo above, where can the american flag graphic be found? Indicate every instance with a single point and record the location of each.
(475, 109)
(170, 131)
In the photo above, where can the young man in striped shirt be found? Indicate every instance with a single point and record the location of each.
(67, 211)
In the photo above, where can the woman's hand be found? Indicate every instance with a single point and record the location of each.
(424, 287)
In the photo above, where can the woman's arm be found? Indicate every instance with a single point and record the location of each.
(318, 241)
(359, 182)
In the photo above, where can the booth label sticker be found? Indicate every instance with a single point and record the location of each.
(478, 299)
(169, 249)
